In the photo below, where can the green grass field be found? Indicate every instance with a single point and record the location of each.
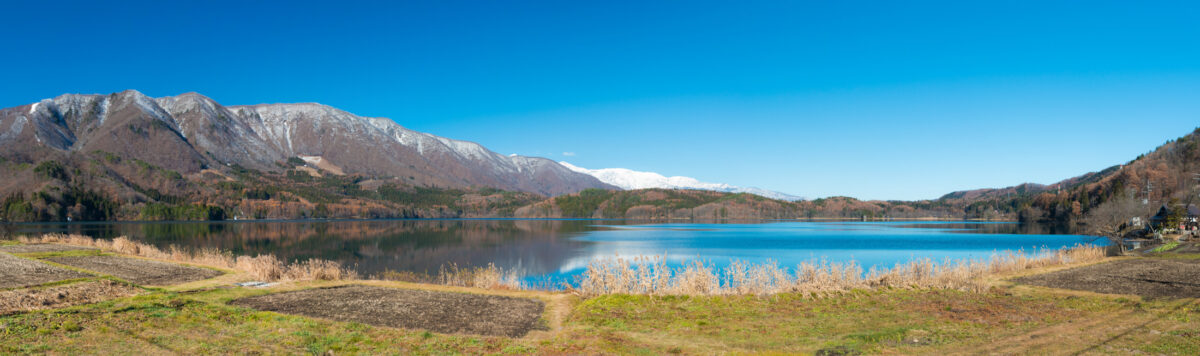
(894, 321)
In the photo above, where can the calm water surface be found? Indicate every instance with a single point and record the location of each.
(559, 250)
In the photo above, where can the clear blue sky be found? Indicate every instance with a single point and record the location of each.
(876, 100)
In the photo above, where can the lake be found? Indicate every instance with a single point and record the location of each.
(551, 251)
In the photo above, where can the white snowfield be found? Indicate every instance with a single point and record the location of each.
(629, 179)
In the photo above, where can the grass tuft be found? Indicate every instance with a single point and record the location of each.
(1166, 247)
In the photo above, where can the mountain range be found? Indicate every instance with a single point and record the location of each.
(190, 133)
(628, 179)
(126, 156)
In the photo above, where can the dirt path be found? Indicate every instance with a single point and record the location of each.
(19, 272)
(139, 271)
(443, 312)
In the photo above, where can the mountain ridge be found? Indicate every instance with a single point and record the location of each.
(261, 135)
(629, 179)
(127, 156)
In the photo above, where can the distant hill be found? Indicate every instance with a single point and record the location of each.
(1170, 172)
(690, 204)
(650, 204)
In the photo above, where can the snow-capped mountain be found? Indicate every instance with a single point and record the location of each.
(190, 132)
(630, 179)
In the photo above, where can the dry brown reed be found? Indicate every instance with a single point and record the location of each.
(639, 275)
(490, 277)
(652, 276)
(264, 267)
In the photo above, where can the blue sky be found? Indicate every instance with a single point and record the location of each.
(876, 100)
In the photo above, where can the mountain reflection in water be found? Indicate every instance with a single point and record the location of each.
(559, 250)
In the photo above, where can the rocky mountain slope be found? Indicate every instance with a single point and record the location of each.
(190, 132)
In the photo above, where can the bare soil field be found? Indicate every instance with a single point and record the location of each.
(39, 248)
(1150, 278)
(19, 272)
(139, 271)
(443, 312)
(21, 300)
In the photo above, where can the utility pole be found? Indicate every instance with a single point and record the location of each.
(1149, 188)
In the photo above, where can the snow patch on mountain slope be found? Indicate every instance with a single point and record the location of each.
(278, 121)
(630, 179)
(322, 163)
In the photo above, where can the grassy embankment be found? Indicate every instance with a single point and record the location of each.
(196, 318)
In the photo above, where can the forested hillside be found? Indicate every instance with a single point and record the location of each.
(104, 186)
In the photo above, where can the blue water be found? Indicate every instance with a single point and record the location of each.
(870, 245)
(548, 252)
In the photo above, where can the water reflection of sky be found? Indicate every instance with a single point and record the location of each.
(870, 245)
(559, 250)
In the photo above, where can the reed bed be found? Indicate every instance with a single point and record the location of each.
(263, 267)
(652, 276)
(638, 275)
(489, 277)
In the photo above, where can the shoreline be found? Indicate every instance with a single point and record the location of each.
(500, 219)
(204, 317)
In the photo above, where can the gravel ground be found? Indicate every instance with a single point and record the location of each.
(443, 312)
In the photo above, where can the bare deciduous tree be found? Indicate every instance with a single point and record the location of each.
(1111, 218)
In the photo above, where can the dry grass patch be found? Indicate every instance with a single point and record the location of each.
(269, 268)
(22, 300)
(490, 277)
(264, 267)
(652, 276)
(39, 248)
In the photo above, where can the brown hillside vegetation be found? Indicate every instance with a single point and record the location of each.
(105, 186)
(1163, 176)
(667, 204)
(652, 204)
(100, 185)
